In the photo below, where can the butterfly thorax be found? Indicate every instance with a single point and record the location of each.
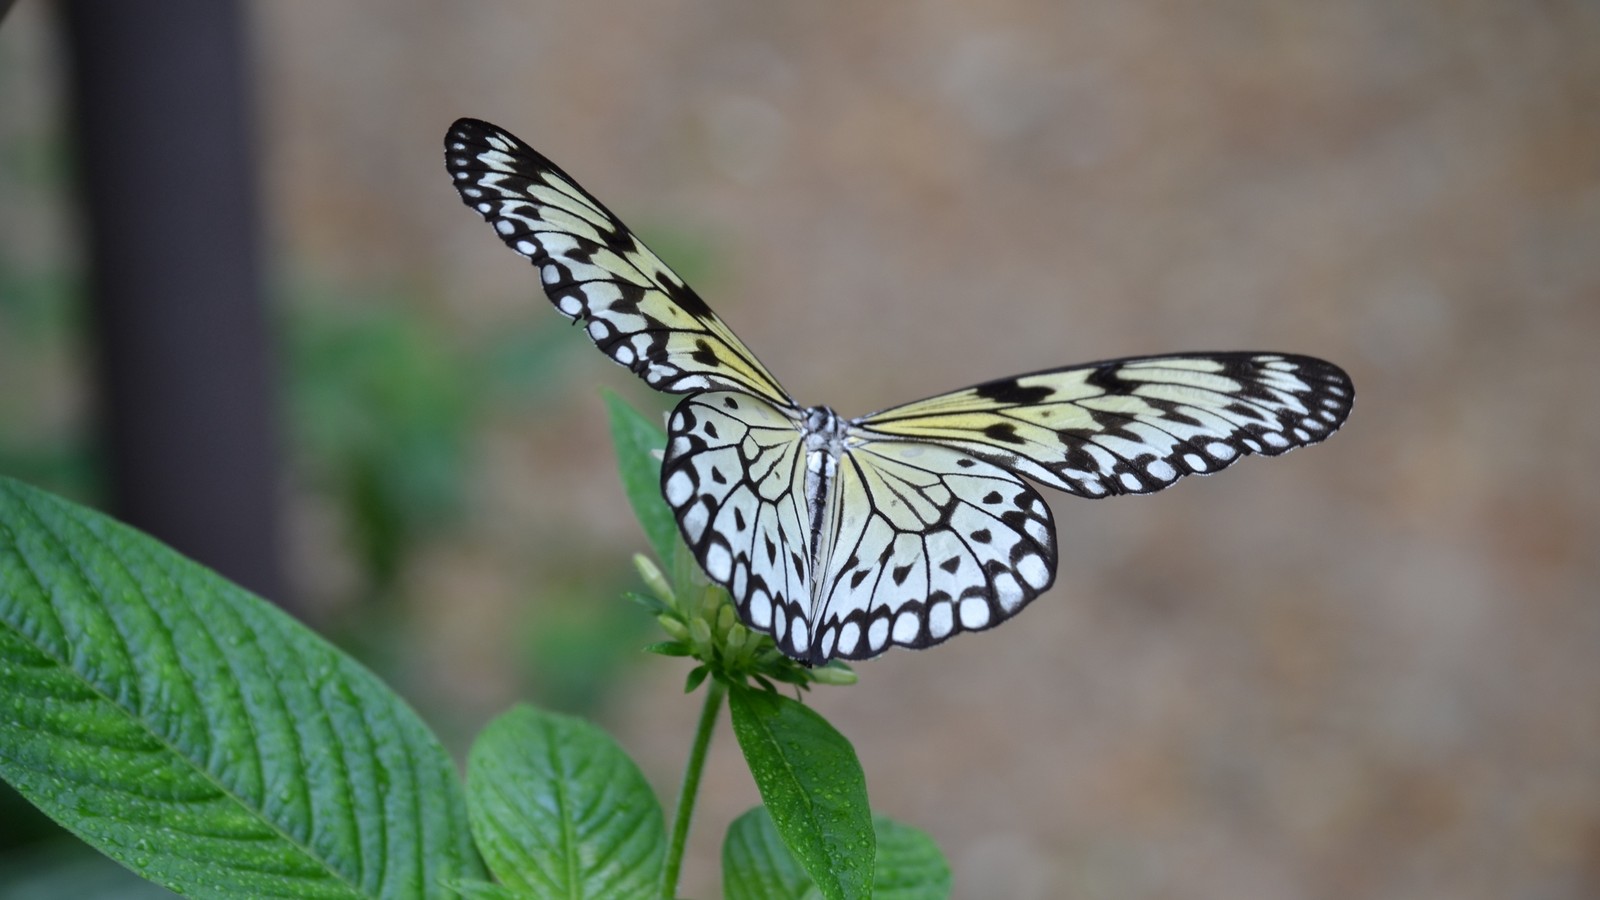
(823, 430)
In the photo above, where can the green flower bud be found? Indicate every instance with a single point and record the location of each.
(674, 627)
(833, 675)
(653, 579)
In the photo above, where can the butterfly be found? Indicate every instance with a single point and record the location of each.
(843, 537)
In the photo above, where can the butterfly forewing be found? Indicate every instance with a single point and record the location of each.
(635, 309)
(1132, 426)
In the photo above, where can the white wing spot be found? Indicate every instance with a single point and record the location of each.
(1161, 470)
(527, 248)
(550, 274)
(1129, 481)
(801, 635)
(1009, 593)
(1221, 450)
(1033, 571)
(1195, 462)
(905, 627)
(599, 330)
(974, 613)
(940, 621)
(760, 609)
(719, 565)
(878, 631)
(848, 635)
(694, 522)
(1275, 439)
(679, 487)
(624, 354)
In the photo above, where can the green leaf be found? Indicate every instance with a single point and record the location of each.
(668, 648)
(200, 736)
(483, 890)
(559, 810)
(637, 439)
(651, 604)
(757, 866)
(812, 784)
(910, 866)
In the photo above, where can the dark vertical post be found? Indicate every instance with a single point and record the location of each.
(163, 113)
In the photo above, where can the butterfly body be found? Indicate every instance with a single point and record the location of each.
(843, 537)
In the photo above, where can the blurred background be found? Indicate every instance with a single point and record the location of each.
(1370, 669)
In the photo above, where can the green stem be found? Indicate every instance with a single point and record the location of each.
(691, 788)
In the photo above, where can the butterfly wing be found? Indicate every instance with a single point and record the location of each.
(924, 541)
(734, 474)
(635, 309)
(1135, 425)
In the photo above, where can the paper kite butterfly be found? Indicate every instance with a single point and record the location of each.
(843, 537)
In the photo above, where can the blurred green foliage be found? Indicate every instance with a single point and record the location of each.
(572, 651)
(381, 412)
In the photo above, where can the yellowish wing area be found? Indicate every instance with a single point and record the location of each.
(596, 272)
(1132, 425)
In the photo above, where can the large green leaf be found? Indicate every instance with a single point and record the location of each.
(812, 784)
(757, 866)
(910, 866)
(197, 734)
(560, 810)
(483, 890)
(637, 440)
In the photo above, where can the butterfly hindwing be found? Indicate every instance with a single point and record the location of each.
(1133, 426)
(634, 308)
(925, 541)
(734, 474)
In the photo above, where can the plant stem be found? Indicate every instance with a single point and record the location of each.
(691, 788)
